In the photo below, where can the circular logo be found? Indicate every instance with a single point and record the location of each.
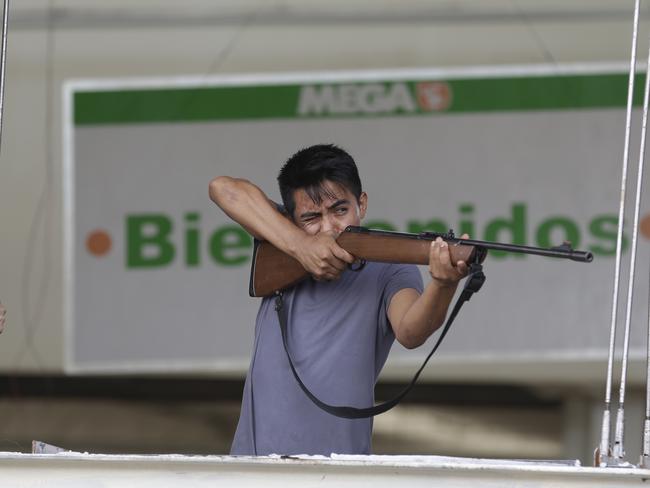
(433, 96)
(98, 243)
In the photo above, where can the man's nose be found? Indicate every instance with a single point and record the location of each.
(329, 225)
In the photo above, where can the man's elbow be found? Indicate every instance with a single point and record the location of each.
(410, 341)
(221, 189)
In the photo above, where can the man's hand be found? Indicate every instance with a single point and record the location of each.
(443, 272)
(3, 317)
(322, 257)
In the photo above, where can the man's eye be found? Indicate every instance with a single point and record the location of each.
(341, 210)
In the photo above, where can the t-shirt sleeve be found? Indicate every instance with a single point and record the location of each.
(396, 277)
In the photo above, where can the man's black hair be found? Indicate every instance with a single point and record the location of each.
(310, 167)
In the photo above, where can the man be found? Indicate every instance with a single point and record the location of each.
(341, 323)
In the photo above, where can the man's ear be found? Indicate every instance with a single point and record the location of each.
(363, 204)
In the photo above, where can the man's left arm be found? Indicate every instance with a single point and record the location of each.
(414, 316)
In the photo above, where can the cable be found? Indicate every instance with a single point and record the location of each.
(42, 219)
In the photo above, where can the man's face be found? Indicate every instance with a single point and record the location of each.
(338, 209)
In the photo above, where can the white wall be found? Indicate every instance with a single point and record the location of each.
(50, 42)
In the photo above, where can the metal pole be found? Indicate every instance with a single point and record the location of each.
(645, 445)
(603, 456)
(3, 59)
(644, 461)
(619, 451)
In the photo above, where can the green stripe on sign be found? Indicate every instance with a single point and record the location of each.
(184, 104)
(352, 99)
(543, 93)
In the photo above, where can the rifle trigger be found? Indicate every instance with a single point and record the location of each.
(358, 265)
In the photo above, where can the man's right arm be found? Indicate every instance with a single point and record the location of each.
(247, 205)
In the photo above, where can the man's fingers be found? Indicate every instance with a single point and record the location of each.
(342, 254)
(441, 267)
(330, 268)
(462, 268)
(434, 250)
(337, 265)
(445, 258)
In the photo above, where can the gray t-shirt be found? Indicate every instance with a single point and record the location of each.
(339, 337)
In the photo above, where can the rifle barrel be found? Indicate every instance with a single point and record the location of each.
(552, 252)
(564, 252)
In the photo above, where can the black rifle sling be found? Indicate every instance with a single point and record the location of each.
(473, 284)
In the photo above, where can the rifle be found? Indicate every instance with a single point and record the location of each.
(272, 270)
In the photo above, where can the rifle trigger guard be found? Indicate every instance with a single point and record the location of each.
(279, 303)
(357, 265)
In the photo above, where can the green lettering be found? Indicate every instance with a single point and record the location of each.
(380, 225)
(605, 227)
(569, 229)
(516, 226)
(147, 241)
(192, 256)
(417, 226)
(230, 245)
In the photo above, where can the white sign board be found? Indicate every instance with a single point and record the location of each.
(158, 275)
